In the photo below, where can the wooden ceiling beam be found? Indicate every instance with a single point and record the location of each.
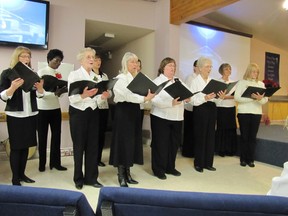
(182, 11)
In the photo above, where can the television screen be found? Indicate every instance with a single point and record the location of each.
(24, 22)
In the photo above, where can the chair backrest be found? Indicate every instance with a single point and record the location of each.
(30, 201)
(142, 202)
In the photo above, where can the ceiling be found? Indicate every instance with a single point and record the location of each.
(264, 19)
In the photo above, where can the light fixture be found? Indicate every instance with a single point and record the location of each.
(103, 38)
(285, 5)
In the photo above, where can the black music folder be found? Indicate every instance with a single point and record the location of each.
(251, 89)
(230, 86)
(22, 71)
(141, 83)
(215, 86)
(177, 89)
(51, 83)
(78, 86)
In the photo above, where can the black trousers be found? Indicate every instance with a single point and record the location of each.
(188, 146)
(249, 125)
(166, 138)
(84, 133)
(103, 121)
(18, 161)
(53, 119)
(204, 134)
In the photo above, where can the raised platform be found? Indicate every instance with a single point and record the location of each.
(272, 145)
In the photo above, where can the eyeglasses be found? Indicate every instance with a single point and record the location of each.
(25, 56)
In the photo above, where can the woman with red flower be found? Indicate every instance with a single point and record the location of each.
(50, 114)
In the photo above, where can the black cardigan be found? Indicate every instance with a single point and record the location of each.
(16, 102)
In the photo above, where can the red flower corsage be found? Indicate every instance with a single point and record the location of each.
(58, 75)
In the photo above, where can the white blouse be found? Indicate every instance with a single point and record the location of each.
(50, 101)
(122, 93)
(162, 103)
(77, 101)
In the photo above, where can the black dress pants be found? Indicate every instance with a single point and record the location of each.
(249, 125)
(84, 133)
(52, 118)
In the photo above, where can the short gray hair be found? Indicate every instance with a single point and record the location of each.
(82, 52)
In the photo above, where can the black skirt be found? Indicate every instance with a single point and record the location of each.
(22, 132)
(126, 147)
(226, 135)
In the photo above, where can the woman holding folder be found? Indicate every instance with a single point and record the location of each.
(249, 113)
(226, 136)
(204, 108)
(126, 147)
(167, 115)
(21, 111)
(50, 114)
(84, 122)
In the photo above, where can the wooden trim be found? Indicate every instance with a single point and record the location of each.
(220, 29)
(182, 11)
(65, 116)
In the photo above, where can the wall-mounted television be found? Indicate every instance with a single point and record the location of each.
(24, 22)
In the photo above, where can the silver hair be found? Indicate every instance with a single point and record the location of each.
(127, 56)
(202, 61)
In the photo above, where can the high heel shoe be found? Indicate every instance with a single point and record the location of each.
(60, 168)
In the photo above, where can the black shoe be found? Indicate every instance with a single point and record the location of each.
(41, 169)
(122, 182)
(101, 164)
(131, 181)
(161, 176)
(26, 179)
(174, 172)
(243, 163)
(16, 183)
(96, 185)
(221, 154)
(251, 164)
(60, 168)
(210, 168)
(198, 169)
(79, 186)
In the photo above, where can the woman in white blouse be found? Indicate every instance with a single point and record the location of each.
(126, 147)
(167, 116)
(204, 108)
(21, 110)
(226, 136)
(249, 113)
(84, 122)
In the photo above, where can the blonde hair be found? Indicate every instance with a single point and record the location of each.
(251, 67)
(17, 52)
(127, 56)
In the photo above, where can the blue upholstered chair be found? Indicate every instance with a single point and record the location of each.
(32, 201)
